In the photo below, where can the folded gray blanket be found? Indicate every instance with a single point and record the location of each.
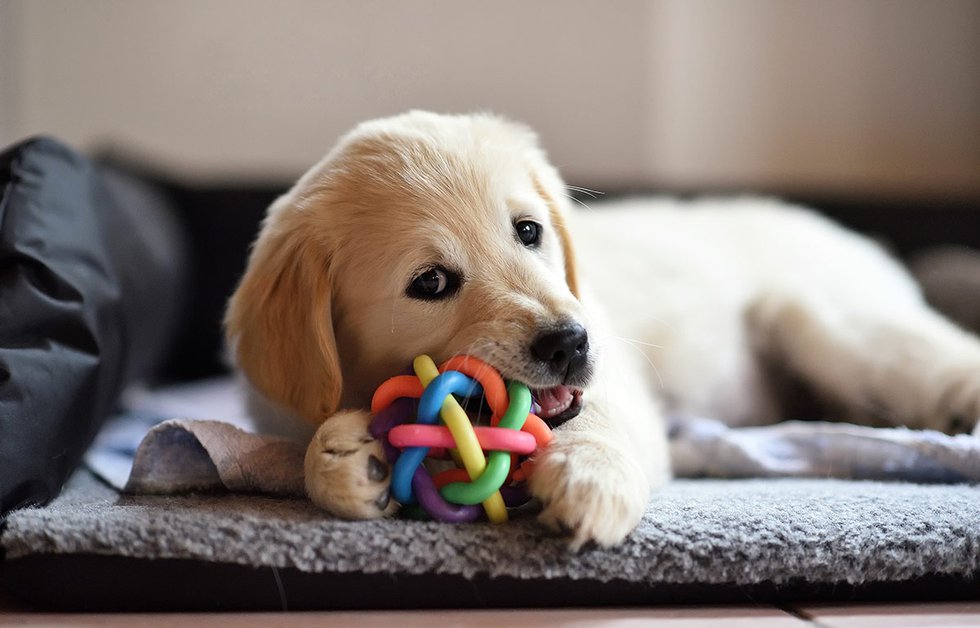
(184, 455)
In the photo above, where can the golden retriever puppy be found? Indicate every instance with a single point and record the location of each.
(446, 235)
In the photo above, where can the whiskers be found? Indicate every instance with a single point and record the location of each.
(638, 346)
(586, 191)
(581, 190)
(637, 342)
(576, 200)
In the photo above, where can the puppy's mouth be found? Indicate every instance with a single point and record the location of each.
(557, 404)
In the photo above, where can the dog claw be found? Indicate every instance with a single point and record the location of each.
(564, 529)
(377, 470)
(382, 501)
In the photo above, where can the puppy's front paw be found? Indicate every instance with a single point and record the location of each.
(590, 490)
(346, 472)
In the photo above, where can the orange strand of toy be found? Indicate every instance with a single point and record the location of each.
(394, 388)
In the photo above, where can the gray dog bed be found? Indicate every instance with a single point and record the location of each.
(701, 540)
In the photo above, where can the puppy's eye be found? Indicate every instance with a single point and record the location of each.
(434, 283)
(528, 232)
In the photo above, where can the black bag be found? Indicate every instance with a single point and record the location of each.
(92, 264)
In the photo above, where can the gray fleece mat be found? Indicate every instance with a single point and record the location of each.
(696, 531)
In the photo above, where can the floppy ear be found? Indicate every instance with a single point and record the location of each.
(561, 228)
(279, 319)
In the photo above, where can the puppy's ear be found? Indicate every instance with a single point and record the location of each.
(561, 228)
(279, 319)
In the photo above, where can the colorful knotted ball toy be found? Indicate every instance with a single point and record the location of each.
(492, 462)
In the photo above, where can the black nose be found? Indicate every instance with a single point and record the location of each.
(563, 350)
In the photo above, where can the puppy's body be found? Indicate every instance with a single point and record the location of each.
(453, 234)
(718, 295)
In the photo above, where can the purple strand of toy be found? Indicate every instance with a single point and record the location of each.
(437, 507)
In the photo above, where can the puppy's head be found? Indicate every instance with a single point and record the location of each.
(420, 233)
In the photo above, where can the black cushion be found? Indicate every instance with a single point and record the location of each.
(91, 268)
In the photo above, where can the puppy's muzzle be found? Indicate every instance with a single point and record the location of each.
(563, 351)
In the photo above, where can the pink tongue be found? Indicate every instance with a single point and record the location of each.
(553, 400)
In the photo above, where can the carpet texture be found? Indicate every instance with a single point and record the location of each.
(696, 531)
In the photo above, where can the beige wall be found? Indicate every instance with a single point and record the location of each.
(871, 94)
(866, 95)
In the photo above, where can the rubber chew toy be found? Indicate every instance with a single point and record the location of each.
(491, 461)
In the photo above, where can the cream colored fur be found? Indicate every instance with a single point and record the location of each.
(684, 304)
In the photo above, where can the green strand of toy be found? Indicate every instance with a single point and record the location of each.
(498, 462)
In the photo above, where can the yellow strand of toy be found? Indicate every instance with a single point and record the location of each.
(467, 443)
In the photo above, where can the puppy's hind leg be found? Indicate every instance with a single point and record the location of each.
(346, 472)
(904, 364)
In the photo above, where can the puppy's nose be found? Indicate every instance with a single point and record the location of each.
(563, 350)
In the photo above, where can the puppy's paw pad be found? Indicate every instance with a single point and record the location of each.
(345, 470)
